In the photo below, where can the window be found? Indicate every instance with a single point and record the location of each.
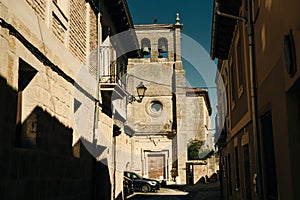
(154, 109)
(39, 7)
(156, 106)
(240, 61)
(233, 81)
(227, 101)
(59, 21)
(63, 5)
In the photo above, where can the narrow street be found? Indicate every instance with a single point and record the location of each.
(101, 98)
(198, 191)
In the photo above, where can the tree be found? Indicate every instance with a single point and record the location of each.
(193, 149)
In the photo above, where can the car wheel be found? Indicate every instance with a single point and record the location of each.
(146, 188)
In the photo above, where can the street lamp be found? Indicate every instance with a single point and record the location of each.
(141, 89)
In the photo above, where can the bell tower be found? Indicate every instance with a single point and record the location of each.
(158, 120)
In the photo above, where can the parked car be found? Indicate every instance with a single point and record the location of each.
(142, 184)
(128, 188)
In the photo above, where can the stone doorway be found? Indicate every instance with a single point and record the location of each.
(156, 166)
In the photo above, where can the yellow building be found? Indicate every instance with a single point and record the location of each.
(257, 44)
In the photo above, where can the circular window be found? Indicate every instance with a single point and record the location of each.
(156, 106)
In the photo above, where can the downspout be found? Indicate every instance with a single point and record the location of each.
(98, 95)
(98, 99)
(250, 31)
(230, 16)
(99, 39)
(97, 102)
(257, 179)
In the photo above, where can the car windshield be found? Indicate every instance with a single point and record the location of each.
(135, 176)
(132, 175)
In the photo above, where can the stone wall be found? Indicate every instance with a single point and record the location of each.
(157, 77)
(196, 114)
(164, 78)
(78, 26)
(39, 7)
(143, 146)
(37, 159)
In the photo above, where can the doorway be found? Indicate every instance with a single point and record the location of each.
(269, 169)
(156, 166)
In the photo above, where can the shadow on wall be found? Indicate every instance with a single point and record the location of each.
(37, 160)
(102, 181)
(44, 132)
(212, 179)
(8, 108)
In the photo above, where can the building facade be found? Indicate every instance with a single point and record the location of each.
(49, 58)
(170, 115)
(113, 137)
(154, 120)
(257, 44)
(43, 45)
(204, 163)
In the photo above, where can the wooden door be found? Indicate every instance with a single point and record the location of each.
(156, 166)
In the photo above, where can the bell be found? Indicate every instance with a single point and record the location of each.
(162, 49)
(146, 51)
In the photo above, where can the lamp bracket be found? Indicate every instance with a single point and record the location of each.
(132, 98)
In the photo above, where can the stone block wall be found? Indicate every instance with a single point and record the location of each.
(37, 159)
(74, 23)
(143, 146)
(165, 79)
(39, 7)
(78, 28)
(157, 77)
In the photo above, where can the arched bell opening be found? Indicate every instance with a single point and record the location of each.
(146, 48)
(163, 48)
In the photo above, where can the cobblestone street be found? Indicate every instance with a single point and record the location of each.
(198, 191)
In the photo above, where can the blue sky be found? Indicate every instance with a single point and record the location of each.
(194, 14)
(196, 17)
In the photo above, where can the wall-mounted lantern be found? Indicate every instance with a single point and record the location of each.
(141, 89)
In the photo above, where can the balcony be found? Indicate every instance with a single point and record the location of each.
(112, 89)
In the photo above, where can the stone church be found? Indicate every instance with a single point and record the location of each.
(162, 120)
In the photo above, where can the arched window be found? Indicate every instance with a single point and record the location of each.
(146, 47)
(163, 48)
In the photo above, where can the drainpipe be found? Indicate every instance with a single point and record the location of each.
(99, 39)
(257, 179)
(250, 31)
(230, 16)
(98, 95)
(97, 102)
(98, 98)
